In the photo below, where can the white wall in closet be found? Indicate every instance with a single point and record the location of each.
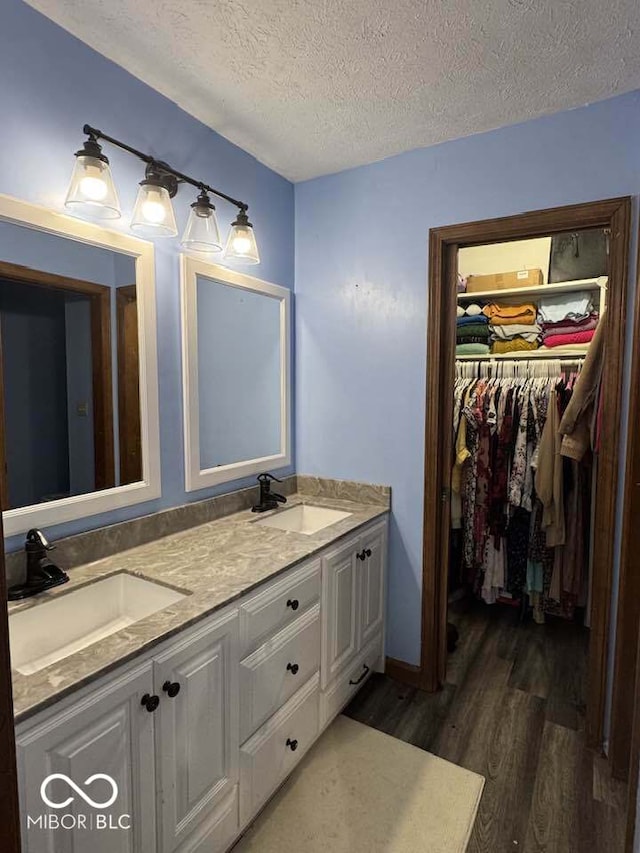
(506, 257)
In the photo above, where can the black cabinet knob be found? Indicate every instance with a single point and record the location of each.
(293, 668)
(292, 744)
(360, 555)
(293, 603)
(171, 689)
(150, 702)
(367, 552)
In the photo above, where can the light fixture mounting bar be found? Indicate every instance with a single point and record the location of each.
(165, 167)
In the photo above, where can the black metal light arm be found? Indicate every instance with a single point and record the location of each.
(165, 167)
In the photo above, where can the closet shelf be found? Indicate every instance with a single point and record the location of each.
(551, 353)
(541, 290)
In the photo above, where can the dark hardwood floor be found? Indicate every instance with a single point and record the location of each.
(512, 710)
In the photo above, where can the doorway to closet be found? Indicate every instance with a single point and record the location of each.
(447, 246)
(521, 700)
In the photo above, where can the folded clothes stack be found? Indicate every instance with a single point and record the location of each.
(472, 332)
(513, 327)
(567, 320)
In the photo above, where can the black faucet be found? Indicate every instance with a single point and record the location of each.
(268, 499)
(42, 574)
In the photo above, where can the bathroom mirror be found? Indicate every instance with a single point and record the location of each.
(78, 376)
(235, 344)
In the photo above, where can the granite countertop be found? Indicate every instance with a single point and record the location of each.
(214, 564)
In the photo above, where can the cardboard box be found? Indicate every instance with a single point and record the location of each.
(504, 280)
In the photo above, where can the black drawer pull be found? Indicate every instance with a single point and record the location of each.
(364, 675)
(293, 603)
(171, 689)
(361, 554)
(292, 744)
(367, 553)
(293, 668)
(150, 702)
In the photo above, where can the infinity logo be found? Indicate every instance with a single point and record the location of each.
(85, 797)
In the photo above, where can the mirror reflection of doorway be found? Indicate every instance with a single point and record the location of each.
(56, 387)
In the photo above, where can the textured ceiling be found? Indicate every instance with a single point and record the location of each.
(315, 86)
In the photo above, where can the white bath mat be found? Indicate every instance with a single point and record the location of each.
(361, 791)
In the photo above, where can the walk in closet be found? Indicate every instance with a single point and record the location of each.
(527, 409)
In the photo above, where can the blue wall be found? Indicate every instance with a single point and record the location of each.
(51, 85)
(361, 296)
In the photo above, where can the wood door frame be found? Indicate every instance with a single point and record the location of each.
(129, 422)
(100, 299)
(624, 744)
(9, 806)
(615, 216)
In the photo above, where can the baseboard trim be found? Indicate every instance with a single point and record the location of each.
(407, 673)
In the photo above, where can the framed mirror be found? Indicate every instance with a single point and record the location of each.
(78, 372)
(236, 374)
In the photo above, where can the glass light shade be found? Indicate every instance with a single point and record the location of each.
(153, 212)
(202, 233)
(92, 191)
(241, 245)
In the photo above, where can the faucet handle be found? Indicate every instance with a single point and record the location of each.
(264, 478)
(37, 537)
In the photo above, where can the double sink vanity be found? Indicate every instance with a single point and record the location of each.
(196, 671)
(171, 669)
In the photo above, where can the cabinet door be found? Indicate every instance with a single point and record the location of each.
(372, 581)
(339, 609)
(197, 729)
(106, 732)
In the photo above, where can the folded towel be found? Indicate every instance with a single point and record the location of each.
(551, 340)
(513, 345)
(514, 330)
(565, 327)
(473, 318)
(472, 349)
(553, 309)
(473, 309)
(472, 329)
(504, 315)
(473, 339)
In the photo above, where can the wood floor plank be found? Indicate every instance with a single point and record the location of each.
(508, 760)
(513, 710)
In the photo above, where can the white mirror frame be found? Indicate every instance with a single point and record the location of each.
(80, 506)
(195, 477)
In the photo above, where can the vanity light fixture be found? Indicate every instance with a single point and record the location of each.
(202, 233)
(153, 212)
(92, 192)
(241, 242)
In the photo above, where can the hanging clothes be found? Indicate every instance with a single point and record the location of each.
(518, 502)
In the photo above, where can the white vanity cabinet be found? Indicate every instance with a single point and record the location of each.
(166, 731)
(107, 731)
(197, 728)
(353, 587)
(200, 731)
(353, 602)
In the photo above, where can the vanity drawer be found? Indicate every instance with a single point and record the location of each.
(274, 672)
(333, 700)
(277, 606)
(268, 758)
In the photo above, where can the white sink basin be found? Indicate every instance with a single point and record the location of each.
(304, 519)
(49, 632)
